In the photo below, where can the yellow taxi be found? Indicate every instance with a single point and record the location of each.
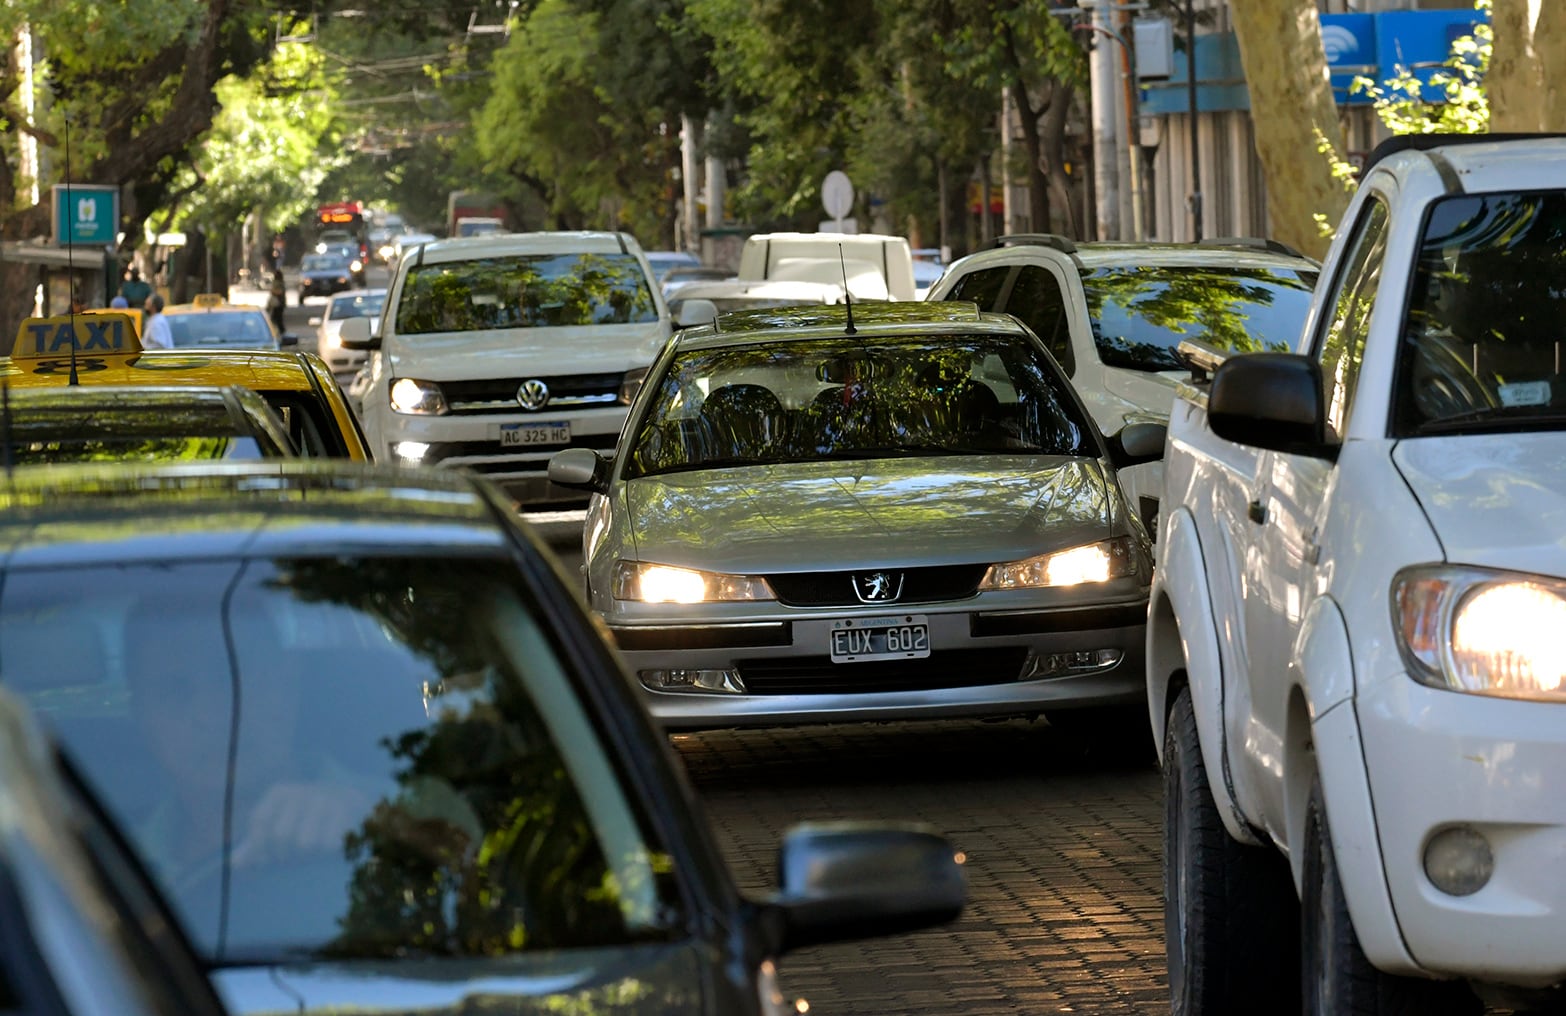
(105, 349)
(211, 322)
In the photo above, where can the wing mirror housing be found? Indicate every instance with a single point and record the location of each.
(580, 469)
(288, 339)
(359, 333)
(847, 880)
(696, 312)
(1136, 443)
(1273, 401)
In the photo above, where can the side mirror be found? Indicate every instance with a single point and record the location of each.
(696, 312)
(288, 339)
(357, 334)
(579, 468)
(1136, 443)
(847, 880)
(1270, 400)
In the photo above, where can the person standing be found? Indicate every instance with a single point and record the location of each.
(134, 289)
(277, 303)
(156, 334)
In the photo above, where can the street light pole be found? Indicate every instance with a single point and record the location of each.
(1190, 89)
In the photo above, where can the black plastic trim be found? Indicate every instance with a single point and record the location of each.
(714, 636)
(1051, 622)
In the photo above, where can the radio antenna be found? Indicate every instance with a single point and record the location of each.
(848, 299)
(5, 418)
(70, 257)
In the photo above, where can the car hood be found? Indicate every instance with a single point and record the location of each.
(513, 352)
(1496, 500)
(886, 512)
(1148, 394)
(631, 981)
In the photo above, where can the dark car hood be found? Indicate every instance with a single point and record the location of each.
(638, 980)
(915, 511)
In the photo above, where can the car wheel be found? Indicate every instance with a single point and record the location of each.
(1335, 976)
(1230, 919)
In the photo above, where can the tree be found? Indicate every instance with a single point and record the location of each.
(1295, 117)
(1527, 73)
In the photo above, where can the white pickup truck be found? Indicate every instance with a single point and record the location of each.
(1357, 628)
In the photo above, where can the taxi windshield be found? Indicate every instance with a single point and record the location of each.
(533, 291)
(1140, 315)
(843, 397)
(245, 329)
(465, 803)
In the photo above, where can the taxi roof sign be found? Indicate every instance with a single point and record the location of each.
(107, 332)
(209, 300)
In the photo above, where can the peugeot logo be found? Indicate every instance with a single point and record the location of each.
(533, 394)
(878, 586)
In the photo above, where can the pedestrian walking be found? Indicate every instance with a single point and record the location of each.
(134, 289)
(156, 334)
(277, 303)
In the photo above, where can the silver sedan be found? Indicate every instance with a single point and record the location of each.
(905, 515)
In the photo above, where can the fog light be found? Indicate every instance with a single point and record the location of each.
(411, 452)
(1458, 861)
(1082, 661)
(693, 680)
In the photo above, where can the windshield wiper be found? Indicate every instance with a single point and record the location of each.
(1499, 417)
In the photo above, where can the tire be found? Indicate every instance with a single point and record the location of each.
(1230, 914)
(1335, 976)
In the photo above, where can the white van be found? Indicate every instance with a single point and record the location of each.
(497, 351)
(877, 267)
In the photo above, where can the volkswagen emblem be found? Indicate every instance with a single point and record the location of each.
(533, 394)
(878, 586)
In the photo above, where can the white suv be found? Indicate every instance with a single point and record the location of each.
(1113, 313)
(498, 351)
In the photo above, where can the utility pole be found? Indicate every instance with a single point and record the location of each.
(1106, 123)
(1190, 91)
(690, 183)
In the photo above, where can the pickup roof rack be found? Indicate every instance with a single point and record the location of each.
(1256, 242)
(1064, 244)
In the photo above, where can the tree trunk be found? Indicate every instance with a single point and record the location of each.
(1292, 110)
(1038, 182)
(1514, 84)
(1052, 137)
(1549, 42)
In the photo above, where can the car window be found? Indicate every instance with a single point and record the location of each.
(1481, 345)
(1036, 300)
(465, 803)
(535, 291)
(308, 426)
(322, 262)
(356, 305)
(1341, 347)
(1141, 314)
(246, 328)
(805, 400)
(162, 432)
(982, 287)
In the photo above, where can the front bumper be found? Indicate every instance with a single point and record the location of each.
(1438, 759)
(473, 443)
(977, 664)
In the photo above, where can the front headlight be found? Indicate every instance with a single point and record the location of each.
(1095, 562)
(662, 583)
(356, 266)
(419, 398)
(1482, 631)
(630, 384)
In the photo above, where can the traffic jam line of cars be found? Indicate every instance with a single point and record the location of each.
(1302, 517)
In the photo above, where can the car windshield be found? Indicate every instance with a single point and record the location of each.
(356, 305)
(534, 291)
(323, 263)
(464, 802)
(1140, 315)
(1481, 344)
(857, 398)
(241, 328)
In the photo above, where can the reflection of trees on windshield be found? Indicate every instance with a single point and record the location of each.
(486, 847)
(525, 292)
(1141, 314)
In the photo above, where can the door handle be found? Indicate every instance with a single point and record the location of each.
(1257, 512)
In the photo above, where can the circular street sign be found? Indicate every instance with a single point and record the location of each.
(837, 194)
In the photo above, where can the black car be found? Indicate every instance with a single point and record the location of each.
(325, 274)
(82, 932)
(365, 735)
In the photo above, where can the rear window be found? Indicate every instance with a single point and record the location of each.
(540, 291)
(357, 305)
(248, 329)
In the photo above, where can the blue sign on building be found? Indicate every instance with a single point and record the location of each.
(86, 214)
(1350, 42)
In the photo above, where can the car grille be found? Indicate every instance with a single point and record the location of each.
(818, 675)
(836, 589)
(499, 395)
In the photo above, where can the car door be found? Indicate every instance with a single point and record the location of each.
(1291, 499)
